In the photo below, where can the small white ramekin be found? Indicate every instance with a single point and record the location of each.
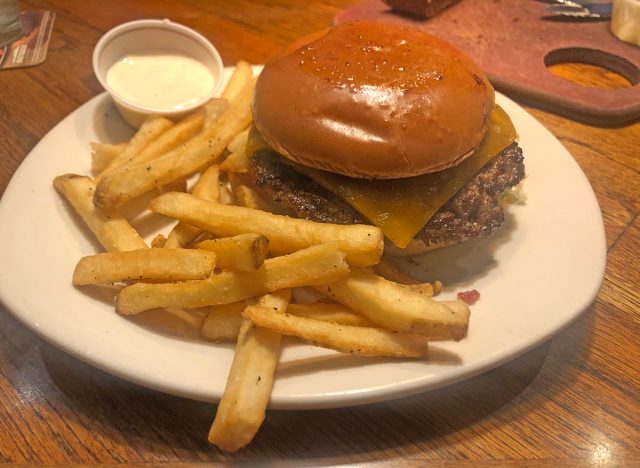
(153, 35)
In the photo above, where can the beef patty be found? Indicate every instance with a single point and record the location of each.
(474, 211)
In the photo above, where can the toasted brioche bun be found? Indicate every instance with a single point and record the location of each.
(373, 100)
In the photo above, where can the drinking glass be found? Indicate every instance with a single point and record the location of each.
(10, 24)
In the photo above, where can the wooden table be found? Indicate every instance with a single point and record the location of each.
(573, 400)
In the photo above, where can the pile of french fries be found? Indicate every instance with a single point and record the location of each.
(243, 265)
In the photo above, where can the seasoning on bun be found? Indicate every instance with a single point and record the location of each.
(380, 123)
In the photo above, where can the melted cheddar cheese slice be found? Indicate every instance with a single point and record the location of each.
(401, 207)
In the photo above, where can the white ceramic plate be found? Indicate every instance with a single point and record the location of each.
(535, 277)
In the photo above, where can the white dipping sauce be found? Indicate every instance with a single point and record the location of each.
(160, 80)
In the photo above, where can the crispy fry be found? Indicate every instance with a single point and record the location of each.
(222, 322)
(362, 341)
(245, 195)
(239, 78)
(112, 230)
(103, 153)
(237, 161)
(226, 195)
(155, 264)
(149, 131)
(363, 244)
(206, 188)
(422, 288)
(459, 307)
(315, 265)
(244, 402)
(213, 110)
(397, 308)
(342, 315)
(336, 313)
(182, 235)
(244, 252)
(173, 137)
(309, 295)
(118, 187)
(158, 241)
(389, 271)
(239, 141)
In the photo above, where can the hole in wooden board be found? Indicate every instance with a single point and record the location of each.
(592, 68)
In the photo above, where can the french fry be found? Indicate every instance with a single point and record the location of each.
(158, 241)
(213, 110)
(118, 187)
(226, 195)
(336, 313)
(149, 131)
(206, 188)
(389, 271)
(397, 308)
(103, 153)
(245, 195)
(363, 244)
(362, 341)
(243, 405)
(244, 252)
(144, 264)
(239, 141)
(182, 235)
(239, 78)
(315, 265)
(237, 161)
(222, 322)
(459, 307)
(170, 139)
(112, 230)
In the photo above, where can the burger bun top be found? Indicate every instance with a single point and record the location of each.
(373, 100)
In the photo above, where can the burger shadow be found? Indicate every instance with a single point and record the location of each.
(461, 266)
(505, 393)
(116, 409)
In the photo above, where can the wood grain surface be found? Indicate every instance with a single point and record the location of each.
(573, 401)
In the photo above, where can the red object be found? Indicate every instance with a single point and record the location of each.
(470, 297)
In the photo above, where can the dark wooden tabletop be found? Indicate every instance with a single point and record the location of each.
(572, 401)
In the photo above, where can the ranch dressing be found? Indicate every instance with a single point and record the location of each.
(160, 80)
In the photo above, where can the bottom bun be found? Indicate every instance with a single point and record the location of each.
(415, 247)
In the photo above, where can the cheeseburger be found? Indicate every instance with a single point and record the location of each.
(383, 124)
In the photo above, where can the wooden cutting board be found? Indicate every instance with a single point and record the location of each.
(514, 45)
